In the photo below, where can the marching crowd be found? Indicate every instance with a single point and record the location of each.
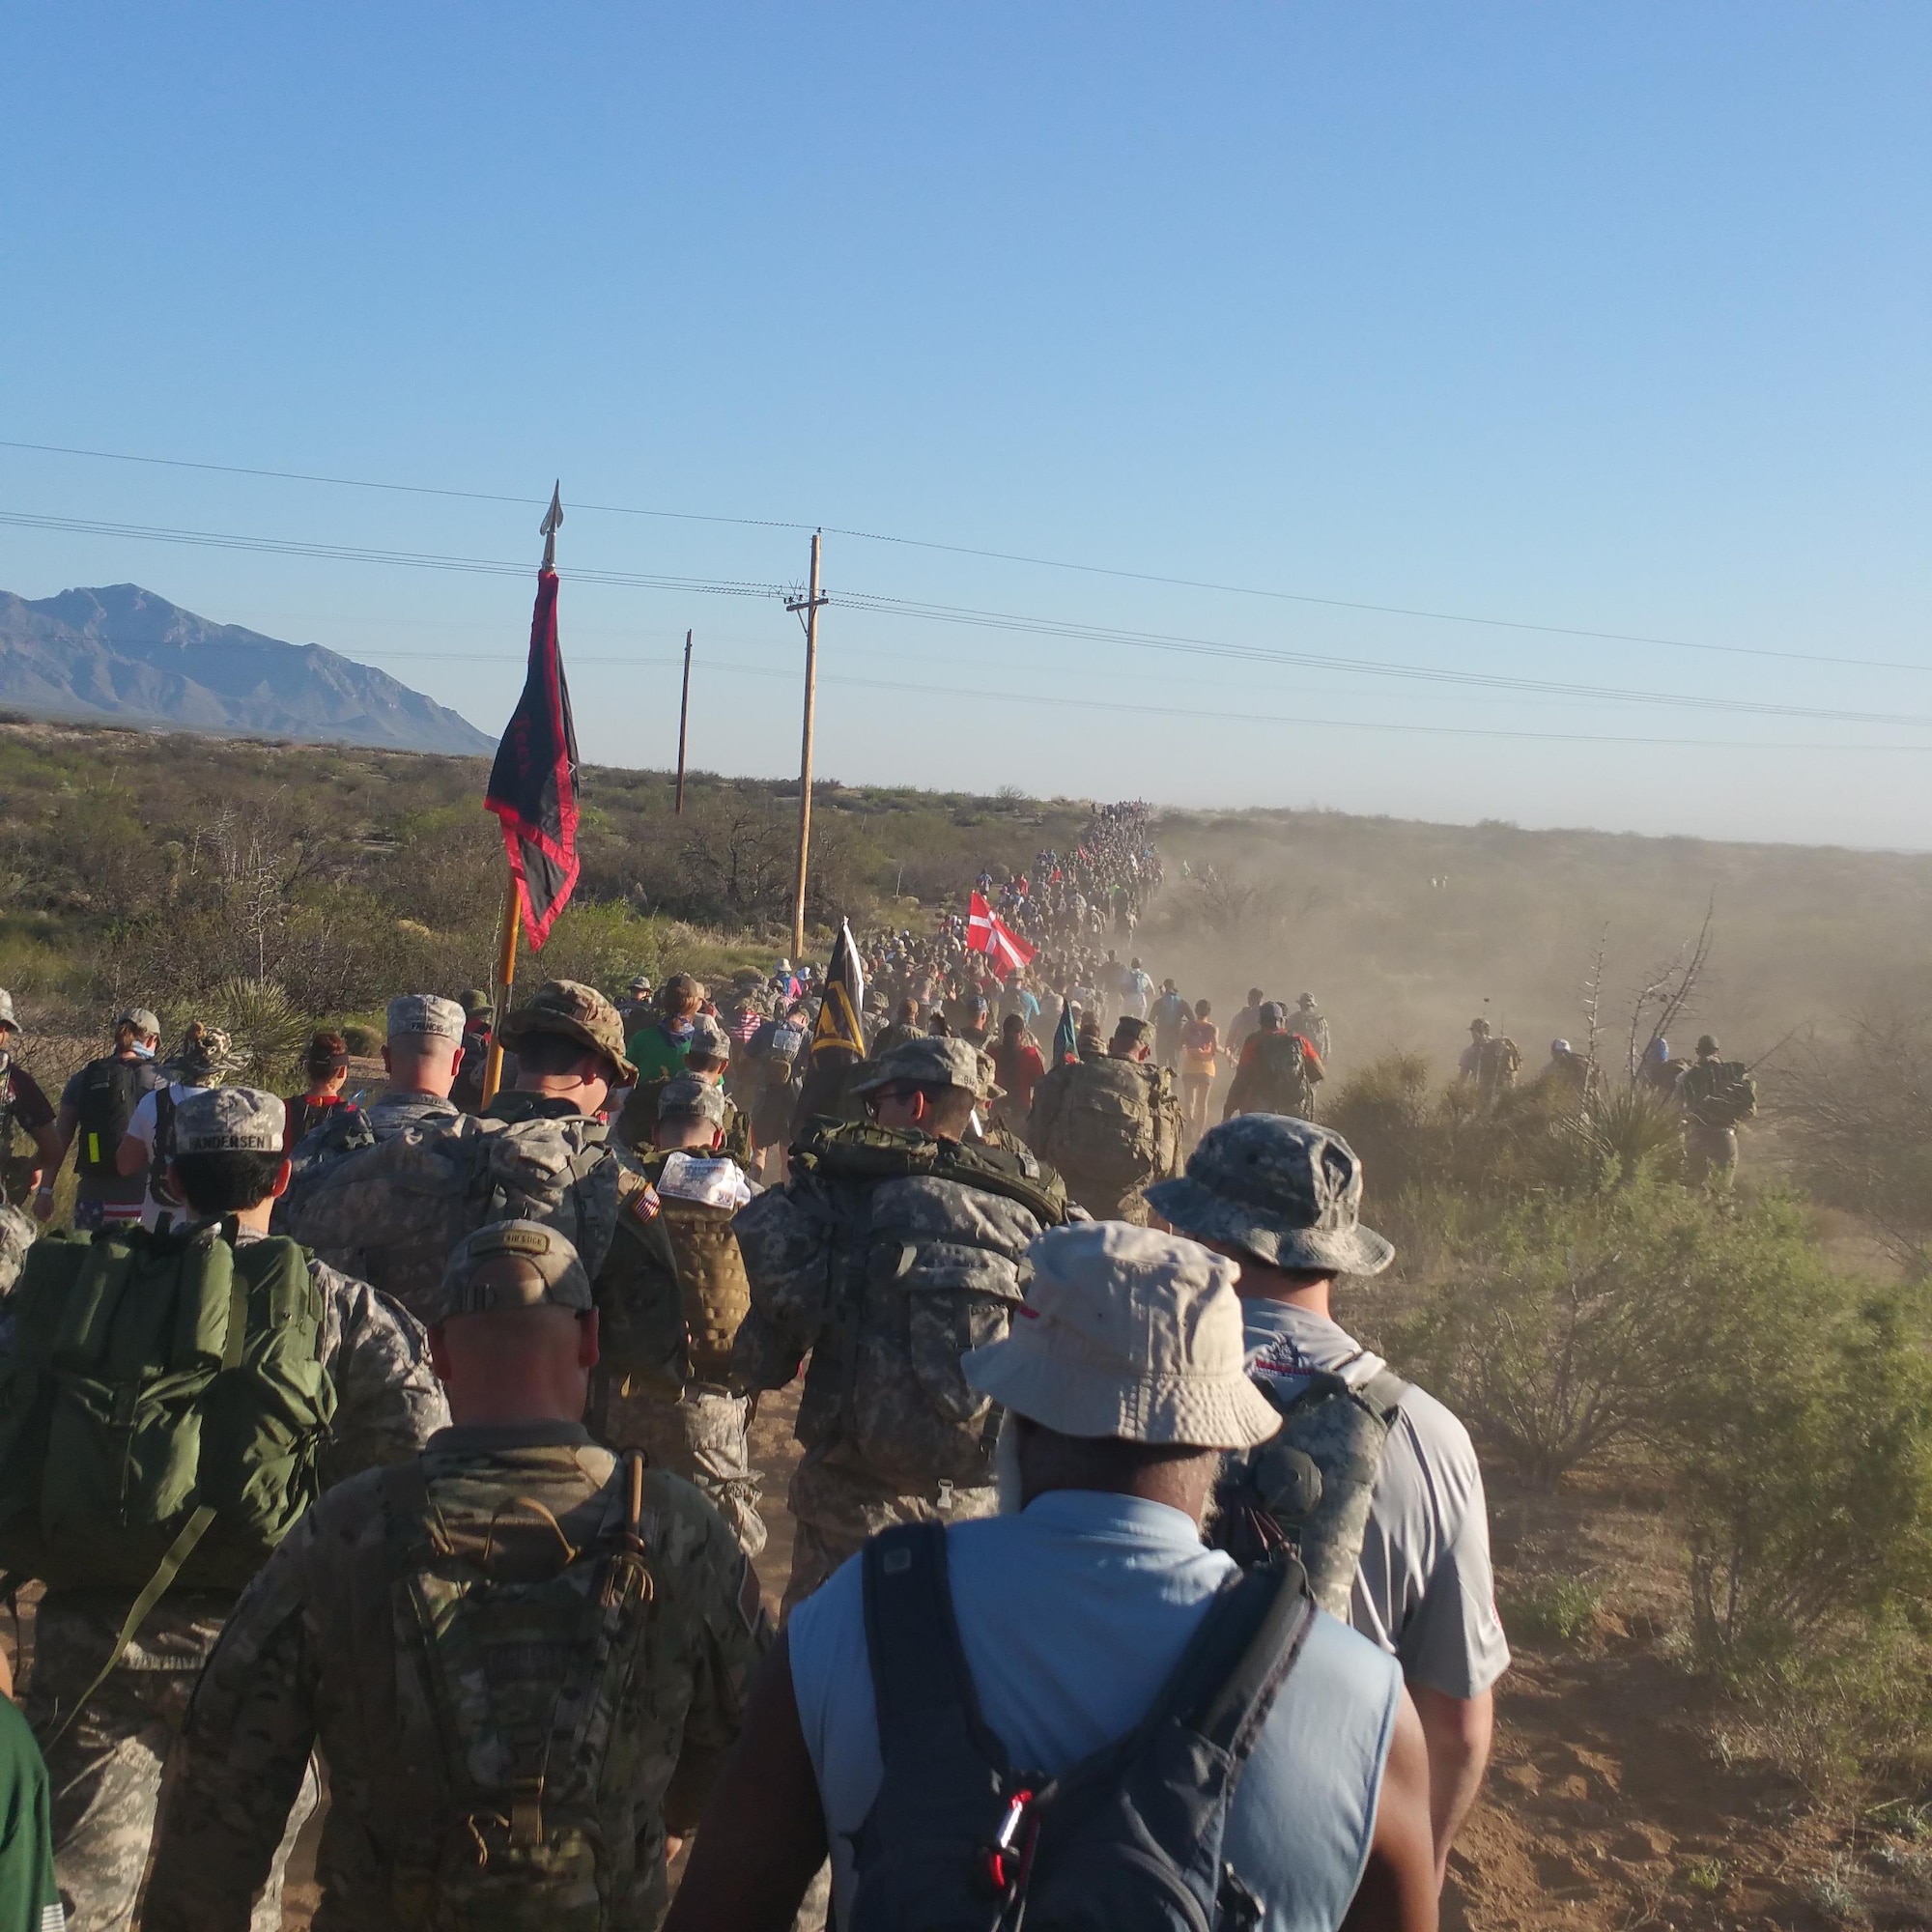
(409, 1444)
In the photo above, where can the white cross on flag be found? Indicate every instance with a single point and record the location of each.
(986, 932)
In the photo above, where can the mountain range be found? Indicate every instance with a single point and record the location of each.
(123, 653)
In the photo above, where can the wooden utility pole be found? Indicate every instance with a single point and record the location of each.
(683, 720)
(808, 608)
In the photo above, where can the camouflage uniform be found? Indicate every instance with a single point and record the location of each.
(886, 1256)
(682, 1410)
(106, 1766)
(17, 1230)
(516, 1661)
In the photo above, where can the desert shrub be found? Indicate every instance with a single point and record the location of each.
(1806, 1472)
(1565, 1325)
(269, 1032)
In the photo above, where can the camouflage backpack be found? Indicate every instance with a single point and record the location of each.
(162, 1409)
(1721, 1094)
(528, 1651)
(899, 1252)
(1105, 1131)
(390, 1213)
(1308, 1488)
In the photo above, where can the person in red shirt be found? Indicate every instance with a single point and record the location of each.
(1017, 1066)
(326, 1065)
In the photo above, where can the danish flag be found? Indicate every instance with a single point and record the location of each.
(986, 932)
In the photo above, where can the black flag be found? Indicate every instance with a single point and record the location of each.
(838, 1028)
(533, 783)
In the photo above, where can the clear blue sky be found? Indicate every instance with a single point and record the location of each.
(1613, 317)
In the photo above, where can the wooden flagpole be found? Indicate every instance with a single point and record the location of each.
(506, 977)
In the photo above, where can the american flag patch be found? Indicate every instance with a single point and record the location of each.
(645, 1205)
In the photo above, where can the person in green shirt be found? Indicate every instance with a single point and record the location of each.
(657, 1051)
(29, 1898)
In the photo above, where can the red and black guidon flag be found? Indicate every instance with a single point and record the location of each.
(533, 783)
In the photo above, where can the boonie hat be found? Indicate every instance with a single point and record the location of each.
(140, 1019)
(577, 1011)
(511, 1264)
(928, 1061)
(425, 1016)
(475, 1001)
(205, 1053)
(1286, 1191)
(230, 1120)
(689, 1099)
(1127, 1334)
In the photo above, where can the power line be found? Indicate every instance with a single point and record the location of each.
(962, 614)
(1234, 715)
(1416, 613)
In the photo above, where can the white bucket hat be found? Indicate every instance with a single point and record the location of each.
(1127, 1334)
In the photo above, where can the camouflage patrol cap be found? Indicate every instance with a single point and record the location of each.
(1135, 1032)
(708, 1040)
(230, 1120)
(929, 1061)
(577, 1011)
(511, 1264)
(1286, 1191)
(7, 1017)
(425, 1016)
(689, 1099)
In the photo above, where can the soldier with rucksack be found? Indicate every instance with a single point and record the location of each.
(1371, 1483)
(203, 1056)
(95, 1105)
(170, 1404)
(683, 1409)
(1074, 1716)
(894, 1246)
(1278, 1070)
(1718, 1096)
(24, 1106)
(521, 1655)
(1110, 1124)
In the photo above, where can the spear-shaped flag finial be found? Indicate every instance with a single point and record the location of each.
(552, 522)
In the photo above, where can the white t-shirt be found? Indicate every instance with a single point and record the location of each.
(143, 1128)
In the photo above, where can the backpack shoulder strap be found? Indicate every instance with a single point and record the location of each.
(929, 1712)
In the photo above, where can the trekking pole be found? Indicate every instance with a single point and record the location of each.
(506, 974)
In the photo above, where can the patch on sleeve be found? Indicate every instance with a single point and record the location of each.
(645, 1205)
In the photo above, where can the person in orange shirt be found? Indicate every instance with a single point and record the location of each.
(1200, 1062)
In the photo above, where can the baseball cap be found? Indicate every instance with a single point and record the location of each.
(1272, 1013)
(425, 1015)
(577, 1011)
(688, 1098)
(1286, 1191)
(928, 1061)
(511, 1264)
(1129, 1334)
(140, 1019)
(708, 1040)
(230, 1120)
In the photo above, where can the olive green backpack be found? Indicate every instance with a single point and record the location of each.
(163, 1407)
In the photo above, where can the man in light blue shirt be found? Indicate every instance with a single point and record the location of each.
(1123, 1378)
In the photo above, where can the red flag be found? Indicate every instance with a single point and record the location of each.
(978, 925)
(533, 783)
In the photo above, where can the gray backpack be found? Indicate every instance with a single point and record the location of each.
(391, 1213)
(1307, 1488)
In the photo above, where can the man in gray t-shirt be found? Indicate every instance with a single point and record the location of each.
(1282, 1198)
